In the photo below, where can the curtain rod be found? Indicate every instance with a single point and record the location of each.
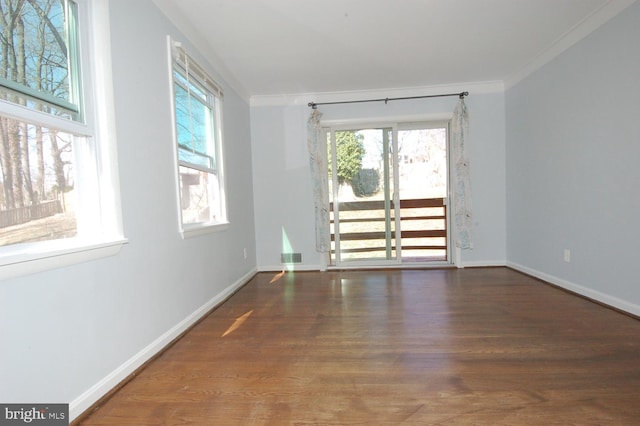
(314, 105)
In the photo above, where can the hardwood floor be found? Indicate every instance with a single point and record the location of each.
(472, 346)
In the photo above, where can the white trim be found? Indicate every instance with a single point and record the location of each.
(321, 268)
(406, 266)
(22, 113)
(102, 110)
(359, 124)
(430, 265)
(197, 230)
(347, 123)
(482, 87)
(97, 391)
(569, 38)
(579, 289)
(55, 254)
(482, 263)
(290, 267)
(174, 131)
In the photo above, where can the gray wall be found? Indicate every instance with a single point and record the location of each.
(573, 180)
(282, 179)
(67, 330)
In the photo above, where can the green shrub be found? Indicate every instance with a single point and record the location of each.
(366, 182)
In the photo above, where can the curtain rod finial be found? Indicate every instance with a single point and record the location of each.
(463, 94)
(312, 105)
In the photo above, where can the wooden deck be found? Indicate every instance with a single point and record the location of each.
(473, 346)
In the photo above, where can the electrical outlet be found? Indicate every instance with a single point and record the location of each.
(567, 255)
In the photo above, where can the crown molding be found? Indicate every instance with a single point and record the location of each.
(177, 18)
(585, 27)
(579, 31)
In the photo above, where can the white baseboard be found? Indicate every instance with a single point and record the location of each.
(97, 391)
(598, 296)
(483, 264)
(473, 264)
(294, 267)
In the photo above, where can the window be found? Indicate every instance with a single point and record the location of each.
(53, 136)
(197, 111)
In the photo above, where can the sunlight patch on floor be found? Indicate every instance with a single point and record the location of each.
(237, 323)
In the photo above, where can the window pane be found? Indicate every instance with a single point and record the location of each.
(200, 198)
(193, 88)
(36, 184)
(196, 159)
(38, 57)
(194, 129)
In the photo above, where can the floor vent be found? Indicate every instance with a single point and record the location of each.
(291, 257)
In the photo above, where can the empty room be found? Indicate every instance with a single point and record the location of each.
(221, 212)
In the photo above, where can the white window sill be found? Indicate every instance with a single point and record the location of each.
(202, 229)
(44, 256)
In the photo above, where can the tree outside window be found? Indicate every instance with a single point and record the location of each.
(38, 71)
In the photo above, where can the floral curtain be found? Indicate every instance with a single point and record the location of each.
(462, 182)
(317, 146)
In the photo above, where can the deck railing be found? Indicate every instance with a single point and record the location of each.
(364, 230)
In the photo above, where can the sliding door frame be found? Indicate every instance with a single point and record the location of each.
(390, 199)
(395, 125)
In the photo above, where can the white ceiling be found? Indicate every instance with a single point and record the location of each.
(282, 47)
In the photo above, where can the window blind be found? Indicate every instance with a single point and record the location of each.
(194, 70)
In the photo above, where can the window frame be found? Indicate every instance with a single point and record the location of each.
(96, 120)
(191, 69)
(74, 104)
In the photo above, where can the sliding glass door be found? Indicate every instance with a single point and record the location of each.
(423, 188)
(362, 186)
(388, 190)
